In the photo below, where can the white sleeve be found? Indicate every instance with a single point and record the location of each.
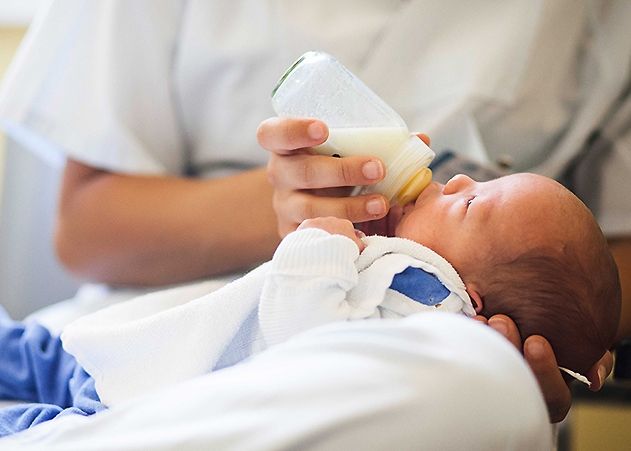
(310, 275)
(429, 381)
(92, 80)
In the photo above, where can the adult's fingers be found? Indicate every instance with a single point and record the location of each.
(282, 135)
(599, 372)
(540, 356)
(307, 171)
(507, 327)
(292, 207)
(424, 138)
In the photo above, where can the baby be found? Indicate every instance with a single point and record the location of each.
(521, 245)
(528, 248)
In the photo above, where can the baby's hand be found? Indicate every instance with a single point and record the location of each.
(335, 226)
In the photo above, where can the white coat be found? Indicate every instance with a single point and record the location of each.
(180, 88)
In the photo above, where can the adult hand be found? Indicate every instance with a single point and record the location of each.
(540, 356)
(307, 185)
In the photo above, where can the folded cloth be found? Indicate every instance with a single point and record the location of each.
(159, 339)
(314, 278)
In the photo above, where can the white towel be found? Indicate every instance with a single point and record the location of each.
(160, 339)
(166, 337)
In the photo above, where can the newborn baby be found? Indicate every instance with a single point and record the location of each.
(528, 248)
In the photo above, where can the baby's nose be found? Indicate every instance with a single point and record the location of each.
(458, 183)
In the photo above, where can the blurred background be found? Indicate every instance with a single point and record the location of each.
(14, 18)
(30, 277)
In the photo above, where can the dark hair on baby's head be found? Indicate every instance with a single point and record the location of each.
(571, 297)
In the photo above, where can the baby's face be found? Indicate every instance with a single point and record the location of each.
(467, 221)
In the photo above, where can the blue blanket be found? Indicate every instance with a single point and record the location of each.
(34, 368)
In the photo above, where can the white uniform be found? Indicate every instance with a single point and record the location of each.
(180, 88)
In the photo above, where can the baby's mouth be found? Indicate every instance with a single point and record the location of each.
(408, 208)
(426, 192)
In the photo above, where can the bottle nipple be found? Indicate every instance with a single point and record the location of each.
(414, 186)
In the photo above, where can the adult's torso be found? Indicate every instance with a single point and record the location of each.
(496, 81)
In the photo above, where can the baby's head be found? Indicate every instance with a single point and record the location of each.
(526, 247)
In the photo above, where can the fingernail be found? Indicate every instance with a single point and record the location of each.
(372, 170)
(499, 326)
(602, 375)
(535, 349)
(359, 234)
(375, 207)
(316, 130)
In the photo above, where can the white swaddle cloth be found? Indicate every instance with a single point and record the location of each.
(163, 338)
(160, 338)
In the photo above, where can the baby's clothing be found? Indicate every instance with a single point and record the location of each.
(314, 278)
(317, 278)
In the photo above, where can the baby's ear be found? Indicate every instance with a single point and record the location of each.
(476, 299)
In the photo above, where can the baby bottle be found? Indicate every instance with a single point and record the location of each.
(359, 122)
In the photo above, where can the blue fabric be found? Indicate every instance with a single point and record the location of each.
(419, 286)
(35, 368)
(240, 348)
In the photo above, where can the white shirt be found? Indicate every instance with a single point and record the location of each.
(180, 87)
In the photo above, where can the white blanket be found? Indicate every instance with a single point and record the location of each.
(432, 381)
(314, 278)
(160, 338)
